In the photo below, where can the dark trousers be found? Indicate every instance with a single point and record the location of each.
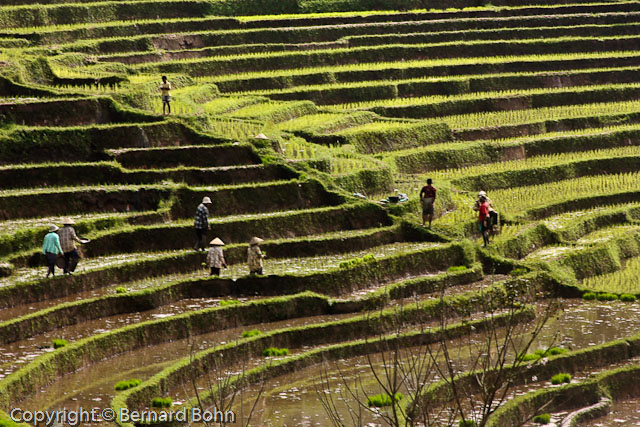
(200, 233)
(51, 262)
(215, 271)
(258, 271)
(71, 261)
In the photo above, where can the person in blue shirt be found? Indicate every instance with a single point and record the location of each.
(51, 248)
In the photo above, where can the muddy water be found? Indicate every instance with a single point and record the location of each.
(15, 354)
(292, 399)
(622, 413)
(93, 386)
(587, 323)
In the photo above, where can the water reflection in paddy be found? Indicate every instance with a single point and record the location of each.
(292, 400)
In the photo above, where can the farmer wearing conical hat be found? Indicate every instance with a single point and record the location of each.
(68, 241)
(201, 222)
(51, 248)
(255, 256)
(215, 257)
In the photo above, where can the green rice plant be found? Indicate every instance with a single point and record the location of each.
(542, 419)
(59, 343)
(538, 162)
(455, 268)
(121, 290)
(275, 352)
(383, 399)
(589, 296)
(535, 115)
(127, 384)
(228, 302)
(161, 402)
(250, 333)
(560, 379)
(606, 296)
(539, 354)
(628, 298)
(434, 99)
(624, 281)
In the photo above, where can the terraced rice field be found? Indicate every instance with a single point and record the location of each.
(297, 118)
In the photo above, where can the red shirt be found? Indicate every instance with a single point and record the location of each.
(484, 211)
(428, 191)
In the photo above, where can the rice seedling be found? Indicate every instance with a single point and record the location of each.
(383, 399)
(561, 379)
(624, 281)
(533, 115)
(275, 352)
(161, 402)
(250, 333)
(517, 200)
(537, 162)
(381, 66)
(542, 419)
(127, 384)
(434, 99)
(59, 343)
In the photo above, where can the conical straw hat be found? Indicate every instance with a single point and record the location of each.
(255, 240)
(67, 221)
(216, 242)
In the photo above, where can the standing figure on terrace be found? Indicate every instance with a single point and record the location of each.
(165, 88)
(51, 248)
(68, 241)
(255, 256)
(201, 222)
(427, 199)
(215, 257)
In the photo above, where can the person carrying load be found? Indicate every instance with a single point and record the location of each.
(68, 241)
(255, 256)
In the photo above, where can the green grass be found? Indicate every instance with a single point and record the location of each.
(250, 333)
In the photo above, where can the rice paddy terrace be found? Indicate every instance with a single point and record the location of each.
(535, 102)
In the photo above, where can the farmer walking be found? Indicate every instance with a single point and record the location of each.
(51, 248)
(255, 256)
(201, 222)
(68, 241)
(165, 88)
(483, 219)
(427, 198)
(215, 257)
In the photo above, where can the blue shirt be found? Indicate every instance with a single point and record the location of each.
(51, 243)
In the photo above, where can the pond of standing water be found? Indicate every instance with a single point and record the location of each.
(622, 413)
(292, 399)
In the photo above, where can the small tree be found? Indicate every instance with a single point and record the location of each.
(471, 385)
(223, 387)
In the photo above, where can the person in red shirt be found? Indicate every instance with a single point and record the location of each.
(427, 198)
(483, 219)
